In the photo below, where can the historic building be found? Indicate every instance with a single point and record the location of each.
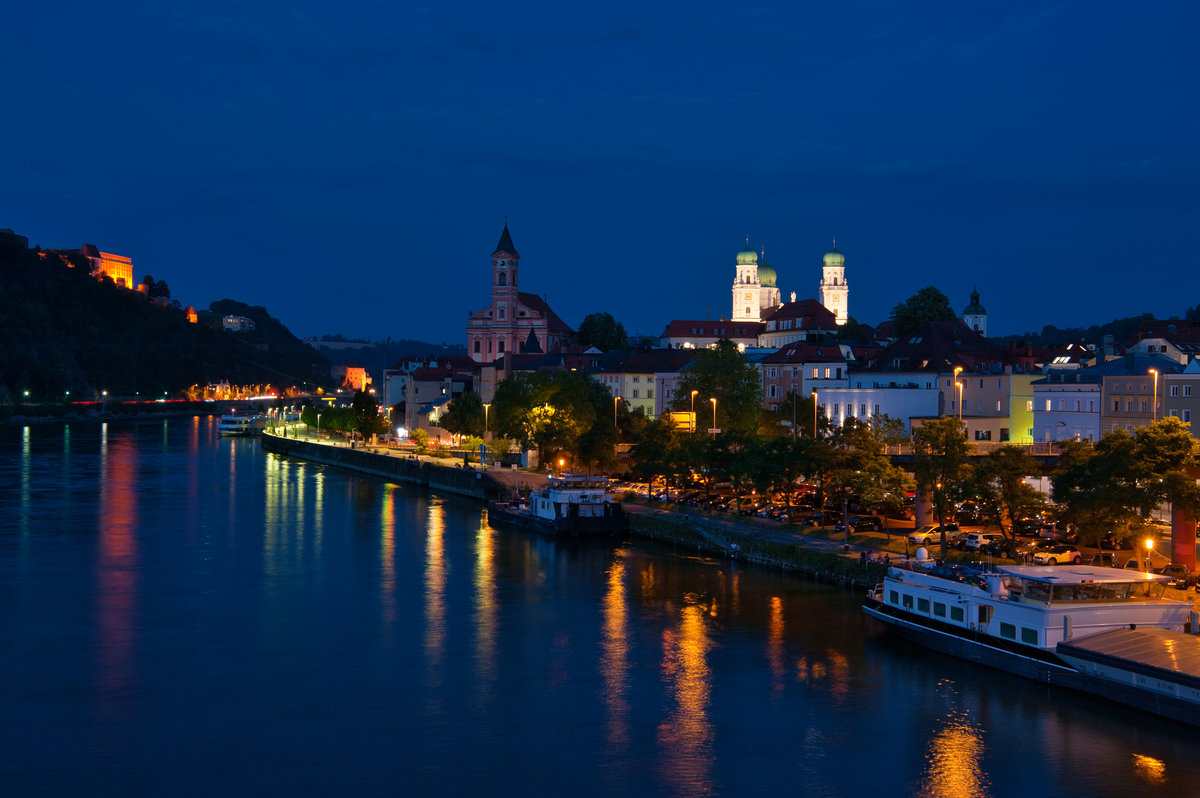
(515, 321)
(833, 290)
(974, 315)
(754, 289)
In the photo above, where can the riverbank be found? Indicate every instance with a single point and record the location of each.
(784, 549)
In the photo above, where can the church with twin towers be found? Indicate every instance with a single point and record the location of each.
(755, 291)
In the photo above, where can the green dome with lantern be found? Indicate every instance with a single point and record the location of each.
(834, 257)
(766, 275)
(746, 256)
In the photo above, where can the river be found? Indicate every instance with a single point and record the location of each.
(182, 614)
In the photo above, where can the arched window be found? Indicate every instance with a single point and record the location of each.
(503, 278)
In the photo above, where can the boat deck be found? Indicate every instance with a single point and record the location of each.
(1158, 653)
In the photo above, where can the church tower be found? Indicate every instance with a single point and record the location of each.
(974, 315)
(746, 286)
(504, 268)
(833, 290)
(768, 296)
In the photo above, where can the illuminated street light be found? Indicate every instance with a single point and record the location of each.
(694, 424)
(486, 405)
(814, 398)
(318, 427)
(1149, 550)
(1154, 406)
(714, 404)
(616, 400)
(960, 387)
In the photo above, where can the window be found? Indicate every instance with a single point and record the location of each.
(827, 372)
(1078, 405)
(1116, 405)
(1028, 405)
(1128, 405)
(998, 386)
(939, 609)
(839, 373)
(1187, 390)
(1187, 415)
(771, 391)
(837, 409)
(477, 346)
(499, 346)
(876, 409)
(983, 434)
(1048, 405)
(957, 614)
(997, 405)
(637, 379)
(907, 601)
(1029, 636)
(923, 605)
(1061, 405)
(772, 372)
(1174, 390)
(862, 410)
(893, 597)
(979, 406)
(981, 384)
(1091, 405)
(635, 393)
(503, 278)
(649, 393)
(1145, 405)
(814, 376)
(501, 312)
(1008, 631)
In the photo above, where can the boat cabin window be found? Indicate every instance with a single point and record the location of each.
(985, 614)
(1029, 636)
(1008, 630)
(908, 602)
(957, 614)
(939, 609)
(893, 597)
(923, 606)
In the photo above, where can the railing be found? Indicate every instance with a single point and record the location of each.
(979, 448)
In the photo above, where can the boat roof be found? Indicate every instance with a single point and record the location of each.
(1078, 574)
(1165, 649)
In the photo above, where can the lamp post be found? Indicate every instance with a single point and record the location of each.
(1154, 406)
(814, 397)
(714, 404)
(959, 385)
(1149, 549)
(318, 427)
(486, 405)
(616, 401)
(694, 424)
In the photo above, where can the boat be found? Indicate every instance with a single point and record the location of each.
(239, 424)
(1108, 632)
(567, 505)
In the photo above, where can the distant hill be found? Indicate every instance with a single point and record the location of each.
(375, 356)
(63, 330)
(1122, 330)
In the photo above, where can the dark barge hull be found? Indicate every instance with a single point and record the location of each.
(613, 522)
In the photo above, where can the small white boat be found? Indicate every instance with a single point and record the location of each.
(568, 505)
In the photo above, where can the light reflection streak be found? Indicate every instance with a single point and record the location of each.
(953, 760)
(387, 559)
(685, 739)
(1152, 770)
(775, 660)
(614, 659)
(435, 603)
(485, 604)
(26, 486)
(117, 576)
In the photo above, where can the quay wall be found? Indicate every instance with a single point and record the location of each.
(395, 467)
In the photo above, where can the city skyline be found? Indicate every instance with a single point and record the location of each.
(1039, 153)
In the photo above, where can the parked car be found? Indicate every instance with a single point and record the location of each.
(1110, 541)
(931, 534)
(958, 540)
(977, 540)
(1058, 555)
(1003, 547)
(862, 523)
(1105, 559)
(969, 513)
(1180, 578)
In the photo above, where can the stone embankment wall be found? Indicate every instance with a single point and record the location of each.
(395, 467)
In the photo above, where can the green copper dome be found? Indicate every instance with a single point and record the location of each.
(835, 258)
(766, 275)
(747, 256)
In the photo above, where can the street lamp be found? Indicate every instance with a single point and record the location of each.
(694, 424)
(616, 401)
(318, 427)
(714, 404)
(814, 398)
(486, 405)
(1154, 406)
(1149, 549)
(960, 387)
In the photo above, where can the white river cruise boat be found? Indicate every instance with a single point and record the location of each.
(567, 505)
(1106, 631)
(239, 424)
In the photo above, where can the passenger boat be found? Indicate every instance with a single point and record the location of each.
(1104, 631)
(567, 505)
(240, 424)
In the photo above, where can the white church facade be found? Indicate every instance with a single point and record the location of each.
(756, 295)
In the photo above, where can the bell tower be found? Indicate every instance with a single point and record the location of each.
(504, 268)
(833, 290)
(746, 302)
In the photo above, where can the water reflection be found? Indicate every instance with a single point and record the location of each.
(25, 503)
(486, 606)
(387, 559)
(685, 737)
(117, 563)
(435, 603)
(614, 657)
(954, 756)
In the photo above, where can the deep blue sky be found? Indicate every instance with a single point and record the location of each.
(349, 165)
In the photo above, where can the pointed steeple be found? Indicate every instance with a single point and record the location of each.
(506, 244)
(531, 346)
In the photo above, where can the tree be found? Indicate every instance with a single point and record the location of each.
(602, 331)
(653, 449)
(1001, 486)
(928, 304)
(940, 464)
(367, 418)
(724, 374)
(464, 415)
(859, 466)
(854, 330)
(1097, 487)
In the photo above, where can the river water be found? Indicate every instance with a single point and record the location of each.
(182, 614)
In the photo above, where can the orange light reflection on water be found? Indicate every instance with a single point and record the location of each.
(435, 603)
(485, 604)
(117, 564)
(614, 659)
(686, 737)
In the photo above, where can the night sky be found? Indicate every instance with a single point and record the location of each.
(349, 166)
